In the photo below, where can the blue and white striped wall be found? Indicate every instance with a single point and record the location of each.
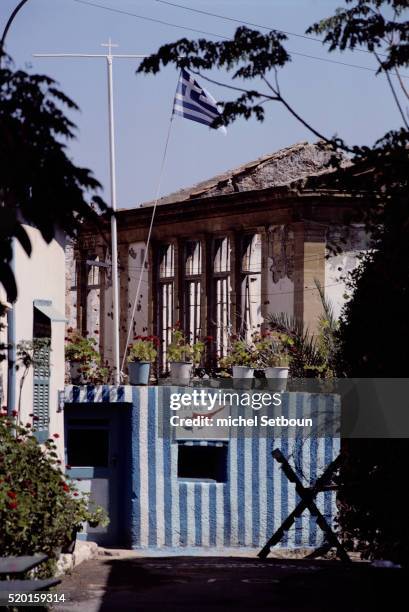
(169, 513)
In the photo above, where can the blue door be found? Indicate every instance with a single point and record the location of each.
(96, 460)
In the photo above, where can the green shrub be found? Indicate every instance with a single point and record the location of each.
(180, 349)
(80, 349)
(143, 349)
(39, 507)
(240, 354)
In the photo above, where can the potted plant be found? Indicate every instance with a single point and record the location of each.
(81, 355)
(273, 353)
(182, 356)
(141, 354)
(82, 513)
(241, 359)
(41, 508)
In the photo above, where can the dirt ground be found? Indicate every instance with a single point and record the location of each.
(130, 583)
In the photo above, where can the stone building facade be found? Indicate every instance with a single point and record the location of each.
(223, 255)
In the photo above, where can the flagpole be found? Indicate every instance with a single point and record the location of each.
(114, 232)
(145, 256)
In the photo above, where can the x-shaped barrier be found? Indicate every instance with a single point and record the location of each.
(307, 495)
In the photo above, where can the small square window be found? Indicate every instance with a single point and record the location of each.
(198, 462)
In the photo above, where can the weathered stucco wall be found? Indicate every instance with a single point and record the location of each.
(136, 253)
(106, 315)
(338, 266)
(280, 270)
(41, 277)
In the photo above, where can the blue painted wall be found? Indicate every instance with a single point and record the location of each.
(164, 512)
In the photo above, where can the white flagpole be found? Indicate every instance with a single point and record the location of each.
(114, 235)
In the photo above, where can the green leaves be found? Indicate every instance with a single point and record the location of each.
(249, 54)
(364, 25)
(39, 508)
(39, 184)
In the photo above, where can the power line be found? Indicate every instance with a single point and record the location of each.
(143, 17)
(221, 36)
(243, 22)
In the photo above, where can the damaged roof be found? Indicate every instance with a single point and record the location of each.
(284, 167)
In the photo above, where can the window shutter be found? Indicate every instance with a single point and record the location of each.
(41, 392)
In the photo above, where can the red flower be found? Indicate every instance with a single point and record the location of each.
(11, 494)
(65, 488)
(36, 418)
(56, 435)
(14, 413)
(96, 331)
(209, 339)
(12, 505)
(75, 494)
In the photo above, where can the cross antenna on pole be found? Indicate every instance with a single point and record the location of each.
(114, 239)
(109, 44)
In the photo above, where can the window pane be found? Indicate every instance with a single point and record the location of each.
(222, 293)
(165, 317)
(250, 305)
(193, 259)
(221, 261)
(166, 261)
(192, 309)
(251, 260)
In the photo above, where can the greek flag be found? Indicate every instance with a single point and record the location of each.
(193, 102)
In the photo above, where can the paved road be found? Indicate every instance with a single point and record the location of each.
(215, 584)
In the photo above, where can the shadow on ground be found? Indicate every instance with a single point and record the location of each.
(199, 584)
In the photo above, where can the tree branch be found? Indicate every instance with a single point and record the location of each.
(395, 97)
(9, 22)
(246, 91)
(405, 91)
(301, 120)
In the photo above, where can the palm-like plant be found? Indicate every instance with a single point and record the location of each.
(310, 355)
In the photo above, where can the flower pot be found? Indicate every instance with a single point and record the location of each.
(138, 372)
(76, 376)
(69, 546)
(180, 372)
(243, 377)
(277, 377)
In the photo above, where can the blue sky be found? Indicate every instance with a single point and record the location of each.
(351, 102)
